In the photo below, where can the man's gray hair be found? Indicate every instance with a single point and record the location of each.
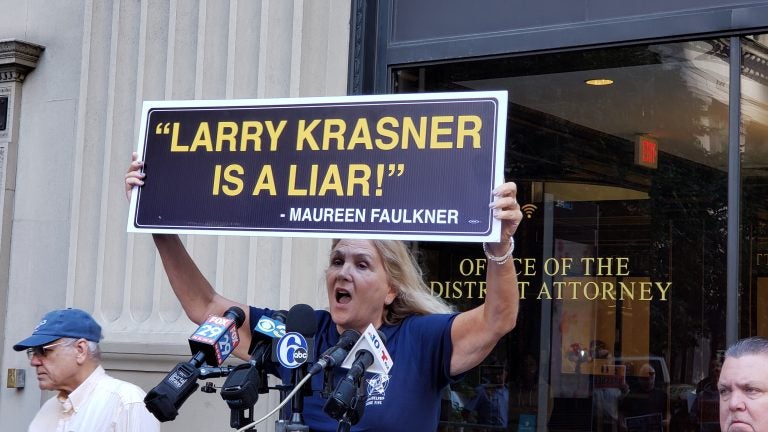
(754, 345)
(94, 351)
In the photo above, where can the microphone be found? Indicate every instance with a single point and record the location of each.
(217, 337)
(294, 350)
(334, 355)
(347, 401)
(166, 398)
(363, 359)
(301, 321)
(371, 342)
(264, 334)
(244, 383)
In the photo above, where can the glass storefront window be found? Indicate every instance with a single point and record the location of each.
(753, 294)
(622, 253)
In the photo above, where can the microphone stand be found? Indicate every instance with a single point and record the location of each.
(238, 418)
(282, 422)
(344, 424)
(347, 402)
(296, 420)
(297, 407)
(241, 391)
(327, 390)
(355, 412)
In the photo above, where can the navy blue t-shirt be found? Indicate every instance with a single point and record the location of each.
(409, 397)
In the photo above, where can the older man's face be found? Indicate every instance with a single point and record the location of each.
(57, 366)
(743, 387)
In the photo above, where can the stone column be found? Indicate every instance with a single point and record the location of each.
(17, 59)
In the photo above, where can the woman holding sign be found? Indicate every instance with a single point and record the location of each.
(378, 282)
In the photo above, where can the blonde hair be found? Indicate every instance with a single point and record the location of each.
(413, 297)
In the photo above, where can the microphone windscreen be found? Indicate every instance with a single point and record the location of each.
(236, 314)
(301, 319)
(349, 338)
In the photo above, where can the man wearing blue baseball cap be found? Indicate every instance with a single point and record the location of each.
(64, 350)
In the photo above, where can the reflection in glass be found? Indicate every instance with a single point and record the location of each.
(754, 164)
(622, 253)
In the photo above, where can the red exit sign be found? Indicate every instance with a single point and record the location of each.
(646, 152)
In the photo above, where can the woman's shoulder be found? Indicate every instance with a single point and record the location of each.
(420, 325)
(324, 321)
(429, 320)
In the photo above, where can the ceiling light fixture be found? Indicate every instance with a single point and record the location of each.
(599, 81)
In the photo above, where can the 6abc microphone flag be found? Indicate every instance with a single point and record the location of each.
(286, 340)
(296, 347)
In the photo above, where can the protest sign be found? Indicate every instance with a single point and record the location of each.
(410, 167)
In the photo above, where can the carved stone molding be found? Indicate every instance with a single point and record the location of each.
(17, 58)
(11, 75)
(357, 42)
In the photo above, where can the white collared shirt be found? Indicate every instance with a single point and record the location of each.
(100, 404)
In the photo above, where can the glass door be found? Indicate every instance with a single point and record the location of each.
(620, 156)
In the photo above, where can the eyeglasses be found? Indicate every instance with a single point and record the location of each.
(42, 351)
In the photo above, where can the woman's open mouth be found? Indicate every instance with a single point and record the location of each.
(343, 296)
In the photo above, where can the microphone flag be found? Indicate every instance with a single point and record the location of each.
(370, 340)
(270, 327)
(217, 337)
